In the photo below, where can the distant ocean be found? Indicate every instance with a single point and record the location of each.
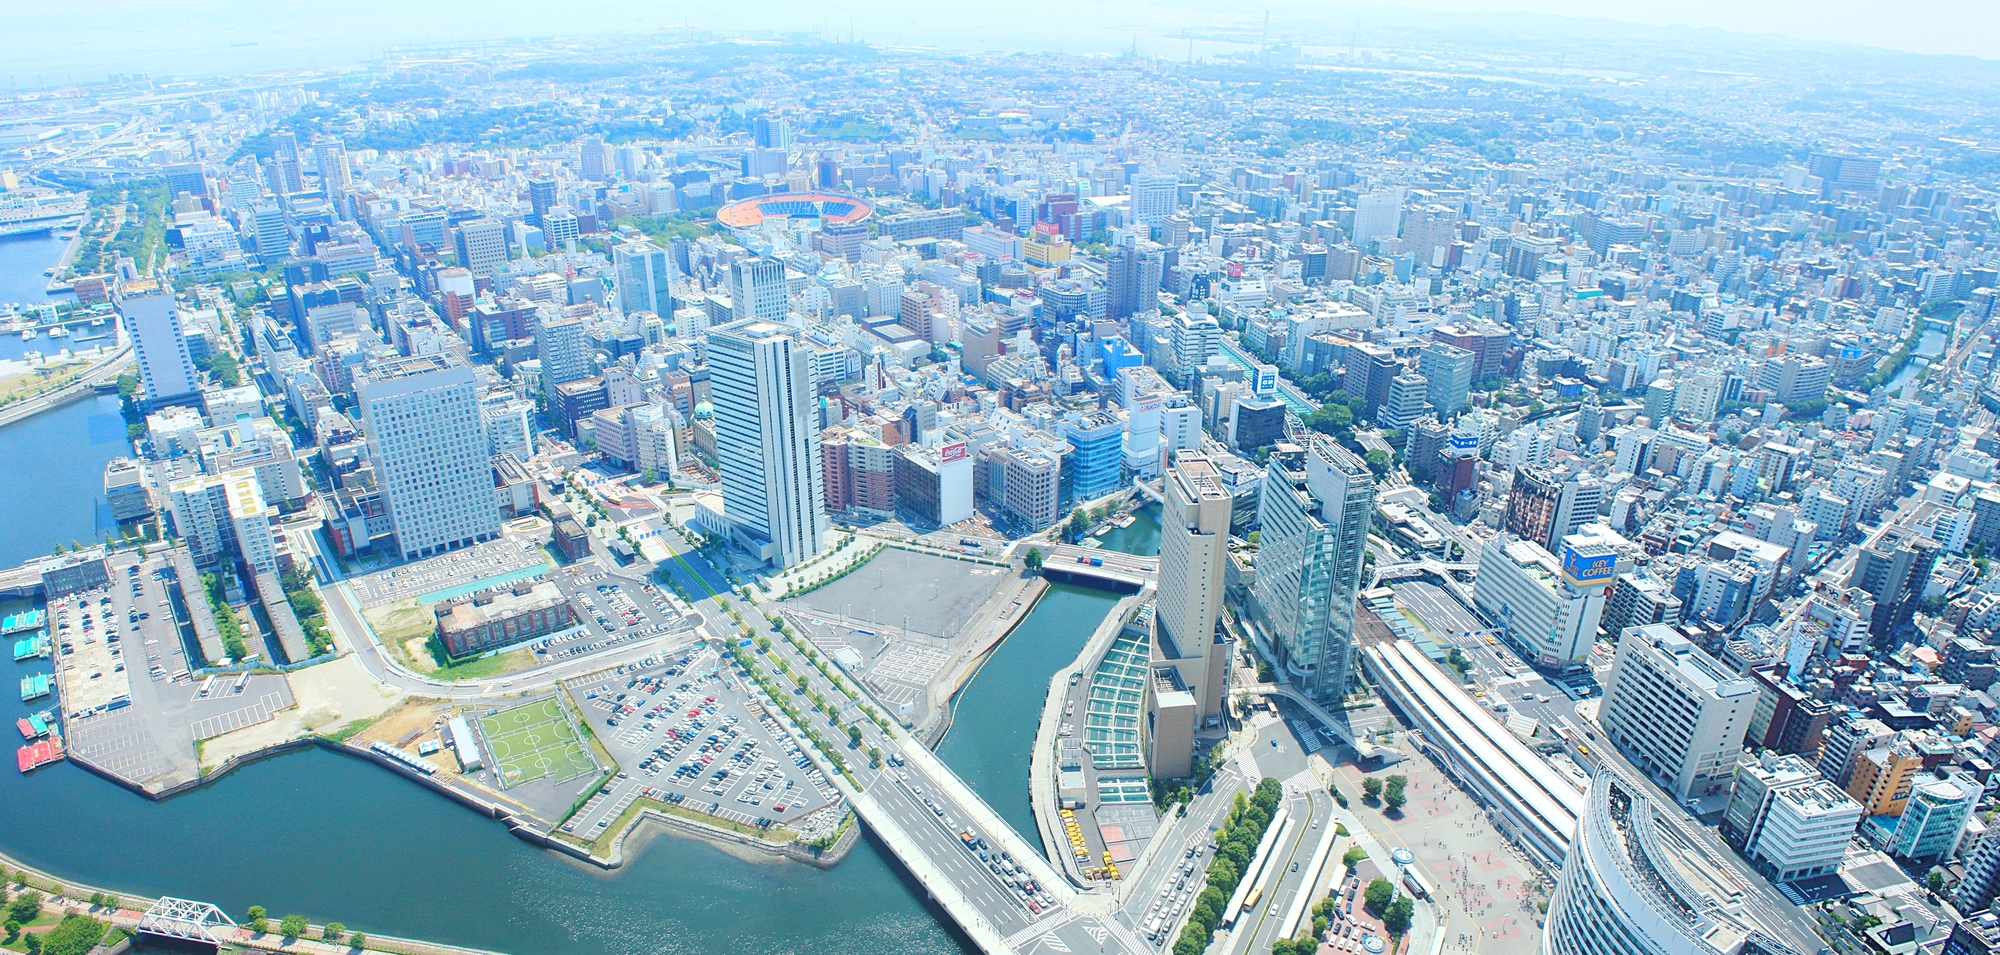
(54, 44)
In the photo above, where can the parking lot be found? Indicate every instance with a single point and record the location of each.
(131, 708)
(471, 569)
(688, 732)
(614, 610)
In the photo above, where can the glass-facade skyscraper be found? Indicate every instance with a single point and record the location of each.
(1314, 508)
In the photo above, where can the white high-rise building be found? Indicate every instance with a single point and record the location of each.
(760, 384)
(427, 439)
(560, 347)
(1154, 197)
(1791, 823)
(1677, 713)
(154, 325)
(1194, 552)
(1547, 608)
(482, 245)
(757, 289)
(1378, 215)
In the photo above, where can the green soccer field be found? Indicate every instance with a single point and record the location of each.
(534, 741)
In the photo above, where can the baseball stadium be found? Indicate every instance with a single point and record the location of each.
(828, 207)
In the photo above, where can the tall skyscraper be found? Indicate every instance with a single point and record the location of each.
(771, 133)
(543, 195)
(270, 233)
(154, 325)
(757, 289)
(765, 433)
(482, 246)
(643, 274)
(1194, 551)
(594, 159)
(428, 443)
(1315, 507)
(560, 347)
(331, 157)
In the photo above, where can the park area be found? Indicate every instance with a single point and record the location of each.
(535, 741)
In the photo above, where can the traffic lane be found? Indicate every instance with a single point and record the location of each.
(903, 793)
(1265, 929)
(995, 900)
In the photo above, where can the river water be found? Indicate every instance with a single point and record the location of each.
(337, 839)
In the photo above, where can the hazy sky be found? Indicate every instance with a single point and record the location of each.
(53, 42)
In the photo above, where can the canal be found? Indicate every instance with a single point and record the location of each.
(1141, 538)
(334, 838)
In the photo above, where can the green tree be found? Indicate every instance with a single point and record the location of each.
(1371, 788)
(359, 940)
(1034, 558)
(854, 735)
(292, 927)
(1265, 673)
(25, 907)
(1378, 895)
(12, 927)
(1396, 918)
(33, 944)
(1354, 856)
(333, 931)
(1392, 793)
(1378, 461)
(257, 921)
(1935, 881)
(74, 935)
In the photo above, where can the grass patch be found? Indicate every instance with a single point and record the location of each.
(347, 732)
(48, 918)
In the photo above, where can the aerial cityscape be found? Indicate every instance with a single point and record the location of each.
(1383, 480)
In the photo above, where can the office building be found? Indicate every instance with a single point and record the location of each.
(1315, 507)
(1405, 404)
(1095, 467)
(482, 246)
(427, 441)
(1546, 506)
(153, 323)
(643, 275)
(1638, 883)
(1675, 712)
(933, 487)
(1154, 197)
(1894, 569)
(594, 159)
(543, 195)
(1194, 553)
(1933, 818)
(767, 436)
(1548, 609)
(1637, 600)
(757, 289)
(1378, 215)
(1787, 820)
(1447, 371)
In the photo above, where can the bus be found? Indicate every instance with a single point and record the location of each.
(1250, 901)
